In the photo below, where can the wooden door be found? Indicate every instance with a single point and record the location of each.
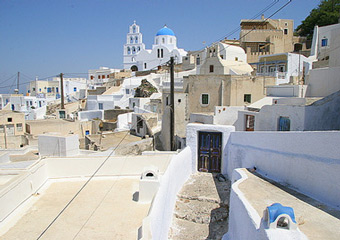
(209, 152)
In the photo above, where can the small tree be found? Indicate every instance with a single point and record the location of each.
(326, 13)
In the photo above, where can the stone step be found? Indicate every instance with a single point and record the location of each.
(200, 212)
(187, 230)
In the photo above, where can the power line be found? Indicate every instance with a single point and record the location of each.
(91, 177)
(9, 78)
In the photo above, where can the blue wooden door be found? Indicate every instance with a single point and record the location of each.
(209, 152)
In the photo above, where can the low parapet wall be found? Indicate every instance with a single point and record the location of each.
(158, 222)
(307, 161)
(23, 183)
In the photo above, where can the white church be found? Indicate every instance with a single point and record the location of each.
(137, 58)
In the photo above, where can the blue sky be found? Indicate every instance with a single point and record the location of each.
(44, 37)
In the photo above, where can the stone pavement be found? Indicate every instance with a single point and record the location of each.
(201, 210)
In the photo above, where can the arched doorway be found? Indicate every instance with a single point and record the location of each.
(134, 68)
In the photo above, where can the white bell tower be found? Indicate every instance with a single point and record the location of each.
(134, 44)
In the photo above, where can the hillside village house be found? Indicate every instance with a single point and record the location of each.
(97, 77)
(12, 129)
(285, 67)
(269, 36)
(224, 80)
(74, 88)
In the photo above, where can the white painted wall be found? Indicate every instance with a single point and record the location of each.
(306, 161)
(243, 218)
(20, 188)
(323, 81)
(287, 90)
(192, 141)
(61, 146)
(244, 221)
(124, 121)
(89, 115)
(160, 216)
(226, 115)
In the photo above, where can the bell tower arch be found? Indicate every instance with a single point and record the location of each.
(134, 44)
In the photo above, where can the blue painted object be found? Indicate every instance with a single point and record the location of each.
(277, 209)
(165, 31)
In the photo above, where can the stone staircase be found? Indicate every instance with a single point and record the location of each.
(201, 210)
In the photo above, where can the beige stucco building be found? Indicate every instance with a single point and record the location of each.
(269, 36)
(12, 129)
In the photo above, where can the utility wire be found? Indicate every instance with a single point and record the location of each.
(91, 177)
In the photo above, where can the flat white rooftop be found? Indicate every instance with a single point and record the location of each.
(105, 209)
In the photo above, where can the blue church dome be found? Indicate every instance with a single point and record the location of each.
(165, 31)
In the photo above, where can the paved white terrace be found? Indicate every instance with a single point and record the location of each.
(105, 209)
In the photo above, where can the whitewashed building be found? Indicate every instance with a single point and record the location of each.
(134, 44)
(137, 58)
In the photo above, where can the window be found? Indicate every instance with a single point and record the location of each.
(62, 114)
(205, 99)
(134, 29)
(128, 51)
(127, 91)
(222, 56)
(2, 129)
(211, 68)
(144, 65)
(19, 127)
(108, 76)
(167, 103)
(179, 100)
(49, 90)
(285, 31)
(131, 39)
(272, 69)
(103, 76)
(98, 76)
(161, 53)
(74, 89)
(40, 89)
(262, 48)
(100, 106)
(247, 98)
(87, 132)
(33, 89)
(158, 53)
(324, 42)
(31, 103)
(91, 77)
(156, 41)
(198, 60)
(12, 107)
(236, 58)
(133, 50)
(138, 49)
(39, 103)
(57, 89)
(281, 68)
(9, 119)
(163, 40)
(136, 39)
(284, 124)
